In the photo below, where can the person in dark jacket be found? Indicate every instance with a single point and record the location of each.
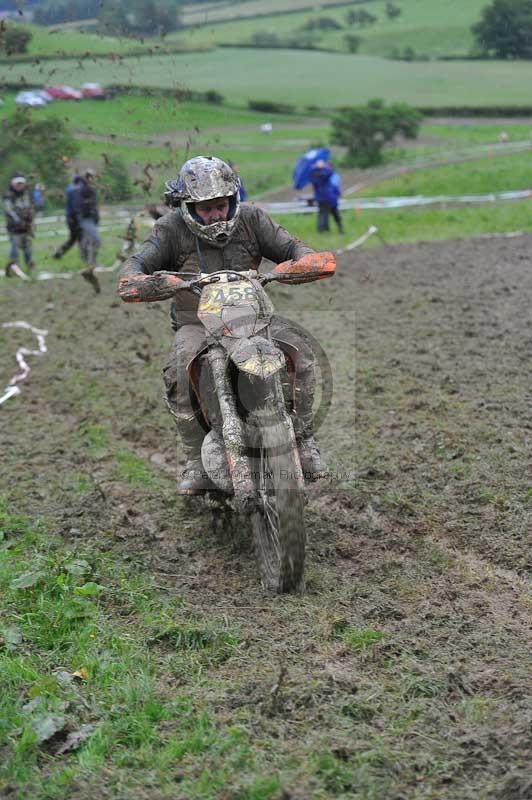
(18, 209)
(211, 231)
(85, 206)
(326, 184)
(72, 220)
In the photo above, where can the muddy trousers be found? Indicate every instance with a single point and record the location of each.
(74, 235)
(89, 241)
(190, 340)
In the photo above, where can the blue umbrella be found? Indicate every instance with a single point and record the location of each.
(301, 174)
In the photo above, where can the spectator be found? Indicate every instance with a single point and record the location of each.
(72, 221)
(326, 184)
(241, 191)
(85, 203)
(37, 197)
(18, 209)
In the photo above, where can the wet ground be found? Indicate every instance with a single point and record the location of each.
(422, 533)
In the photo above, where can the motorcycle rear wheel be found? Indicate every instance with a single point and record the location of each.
(278, 524)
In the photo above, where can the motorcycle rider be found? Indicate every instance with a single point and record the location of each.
(210, 231)
(18, 208)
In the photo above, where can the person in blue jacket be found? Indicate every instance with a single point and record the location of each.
(72, 220)
(243, 195)
(326, 184)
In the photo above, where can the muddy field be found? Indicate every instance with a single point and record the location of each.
(404, 672)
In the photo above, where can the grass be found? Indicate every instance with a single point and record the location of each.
(132, 117)
(496, 174)
(337, 79)
(466, 133)
(81, 652)
(412, 225)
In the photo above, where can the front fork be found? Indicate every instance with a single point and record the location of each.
(232, 430)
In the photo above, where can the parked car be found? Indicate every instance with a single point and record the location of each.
(62, 92)
(92, 91)
(30, 98)
(46, 96)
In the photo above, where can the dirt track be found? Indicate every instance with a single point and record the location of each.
(423, 532)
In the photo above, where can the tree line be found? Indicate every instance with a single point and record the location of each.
(115, 17)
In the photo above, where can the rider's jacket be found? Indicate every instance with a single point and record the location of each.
(174, 248)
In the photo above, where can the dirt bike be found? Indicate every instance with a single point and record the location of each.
(240, 388)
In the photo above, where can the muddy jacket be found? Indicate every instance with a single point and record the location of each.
(172, 247)
(19, 211)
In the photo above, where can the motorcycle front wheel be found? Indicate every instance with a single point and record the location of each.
(278, 523)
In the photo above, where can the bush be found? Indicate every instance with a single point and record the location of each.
(114, 182)
(214, 97)
(322, 24)
(14, 39)
(505, 29)
(21, 150)
(352, 42)
(271, 107)
(364, 130)
(361, 18)
(265, 39)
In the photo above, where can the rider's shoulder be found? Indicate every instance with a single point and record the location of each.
(251, 213)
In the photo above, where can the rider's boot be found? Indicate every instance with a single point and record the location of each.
(312, 464)
(194, 479)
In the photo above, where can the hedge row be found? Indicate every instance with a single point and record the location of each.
(158, 50)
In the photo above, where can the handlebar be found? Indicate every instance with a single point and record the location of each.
(196, 282)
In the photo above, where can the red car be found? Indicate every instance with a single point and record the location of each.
(63, 92)
(92, 91)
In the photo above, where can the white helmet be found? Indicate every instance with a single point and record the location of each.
(206, 178)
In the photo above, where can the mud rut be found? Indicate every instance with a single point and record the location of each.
(423, 533)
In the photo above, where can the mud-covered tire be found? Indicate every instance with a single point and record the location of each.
(278, 525)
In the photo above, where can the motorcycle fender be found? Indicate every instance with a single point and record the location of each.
(258, 356)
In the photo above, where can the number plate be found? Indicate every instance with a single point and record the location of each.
(217, 295)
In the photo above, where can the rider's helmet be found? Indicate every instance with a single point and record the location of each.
(206, 178)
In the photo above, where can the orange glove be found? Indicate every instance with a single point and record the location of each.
(311, 267)
(139, 288)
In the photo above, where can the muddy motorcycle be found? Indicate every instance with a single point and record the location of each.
(240, 389)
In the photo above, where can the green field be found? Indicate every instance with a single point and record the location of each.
(430, 28)
(495, 174)
(210, 12)
(316, 79)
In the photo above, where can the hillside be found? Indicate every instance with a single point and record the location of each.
(429, 28)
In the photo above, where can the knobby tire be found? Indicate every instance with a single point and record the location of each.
(278, 525)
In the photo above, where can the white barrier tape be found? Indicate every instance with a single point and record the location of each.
(360, 241)
(387, 203)
(12, 389)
